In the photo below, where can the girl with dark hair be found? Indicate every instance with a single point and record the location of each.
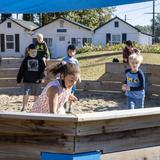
(58, 92)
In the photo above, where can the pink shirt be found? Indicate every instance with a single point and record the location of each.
(42, 103)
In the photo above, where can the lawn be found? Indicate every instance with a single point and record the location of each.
(92, 69)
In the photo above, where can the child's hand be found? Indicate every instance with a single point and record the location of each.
(42, 81)
(72, 98)
(125, 87)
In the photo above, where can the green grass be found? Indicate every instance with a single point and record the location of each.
(92, 69)
(93, 53)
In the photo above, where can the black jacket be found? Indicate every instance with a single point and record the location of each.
(42, 50)
(31, 70)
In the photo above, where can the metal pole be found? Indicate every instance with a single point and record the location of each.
(153, 27)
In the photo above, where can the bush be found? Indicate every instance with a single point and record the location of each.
(119, 47)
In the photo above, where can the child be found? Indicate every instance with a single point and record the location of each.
(71, 51)
(128, 50)
(42, 49)
(58, 92)
(32, 73)
(135, 82)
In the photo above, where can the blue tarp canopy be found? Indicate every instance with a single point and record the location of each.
(43, 6)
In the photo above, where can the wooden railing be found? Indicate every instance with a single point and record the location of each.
(111, 80)
(24, 135)
(114, 76)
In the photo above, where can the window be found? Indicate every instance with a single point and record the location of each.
(116, 39)
(61, 30)
(116, 24)
(87, 40)
(9, 41)
(61, 38)
(9, 25)
(76, 42)
(48, 41)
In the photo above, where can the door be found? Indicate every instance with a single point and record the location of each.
(61, 46)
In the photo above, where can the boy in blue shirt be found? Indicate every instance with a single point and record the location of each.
(134, 85)
(71, 51)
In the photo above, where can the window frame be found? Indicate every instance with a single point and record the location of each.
(12, 41)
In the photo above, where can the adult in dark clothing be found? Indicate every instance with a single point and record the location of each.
(128, 50)
(42, 49)
(32, 73)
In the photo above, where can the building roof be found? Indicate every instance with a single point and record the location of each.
(123, 22)
(65, 19)
(25, 24)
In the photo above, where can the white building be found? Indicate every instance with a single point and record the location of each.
(61, 32)
(15, 36)
(117, 31)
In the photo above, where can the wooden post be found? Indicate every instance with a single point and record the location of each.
(95, 155)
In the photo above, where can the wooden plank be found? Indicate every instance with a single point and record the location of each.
(119, 141)
(11, 62)
(118, 77)
(8, 72)
(16, 62)
(116, 125)
(155, 89)
(121, 67)
(24, 136)
(154, 70)
(110, 115)
(8, 82)
(39, 116)
(99, 85)
(151, 153)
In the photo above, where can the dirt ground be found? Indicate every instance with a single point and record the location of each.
(11, 100)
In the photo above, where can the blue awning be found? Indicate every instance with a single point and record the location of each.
(42, 6)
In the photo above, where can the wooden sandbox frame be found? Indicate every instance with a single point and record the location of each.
(23, 136)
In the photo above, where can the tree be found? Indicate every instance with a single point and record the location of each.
(5, 16)
(145, 29)
(156, 28)
(91, 18)
(28, 17)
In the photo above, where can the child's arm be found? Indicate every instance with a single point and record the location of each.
(21, 71)
(53, 99)
(72, 98)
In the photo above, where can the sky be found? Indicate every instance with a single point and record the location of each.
(136, 13)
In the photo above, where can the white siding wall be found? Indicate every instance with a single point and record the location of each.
(100, 34)
(73, 31)
(145, 39)
(24, 38)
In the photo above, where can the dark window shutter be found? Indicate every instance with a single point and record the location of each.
(2, 38)
(108, 38)
(17, 42)
(34, 40)
(124, 37)
(84, 41)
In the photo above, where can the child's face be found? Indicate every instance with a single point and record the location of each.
(71, 53)
(130, 48)
(32, 52)
(39, 39)
(70, 80)
(134, 65)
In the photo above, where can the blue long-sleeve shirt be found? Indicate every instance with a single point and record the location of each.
(136, 82)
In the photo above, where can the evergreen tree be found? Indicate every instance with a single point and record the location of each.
(5, 16)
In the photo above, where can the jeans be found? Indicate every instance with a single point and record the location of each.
(135, 103)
